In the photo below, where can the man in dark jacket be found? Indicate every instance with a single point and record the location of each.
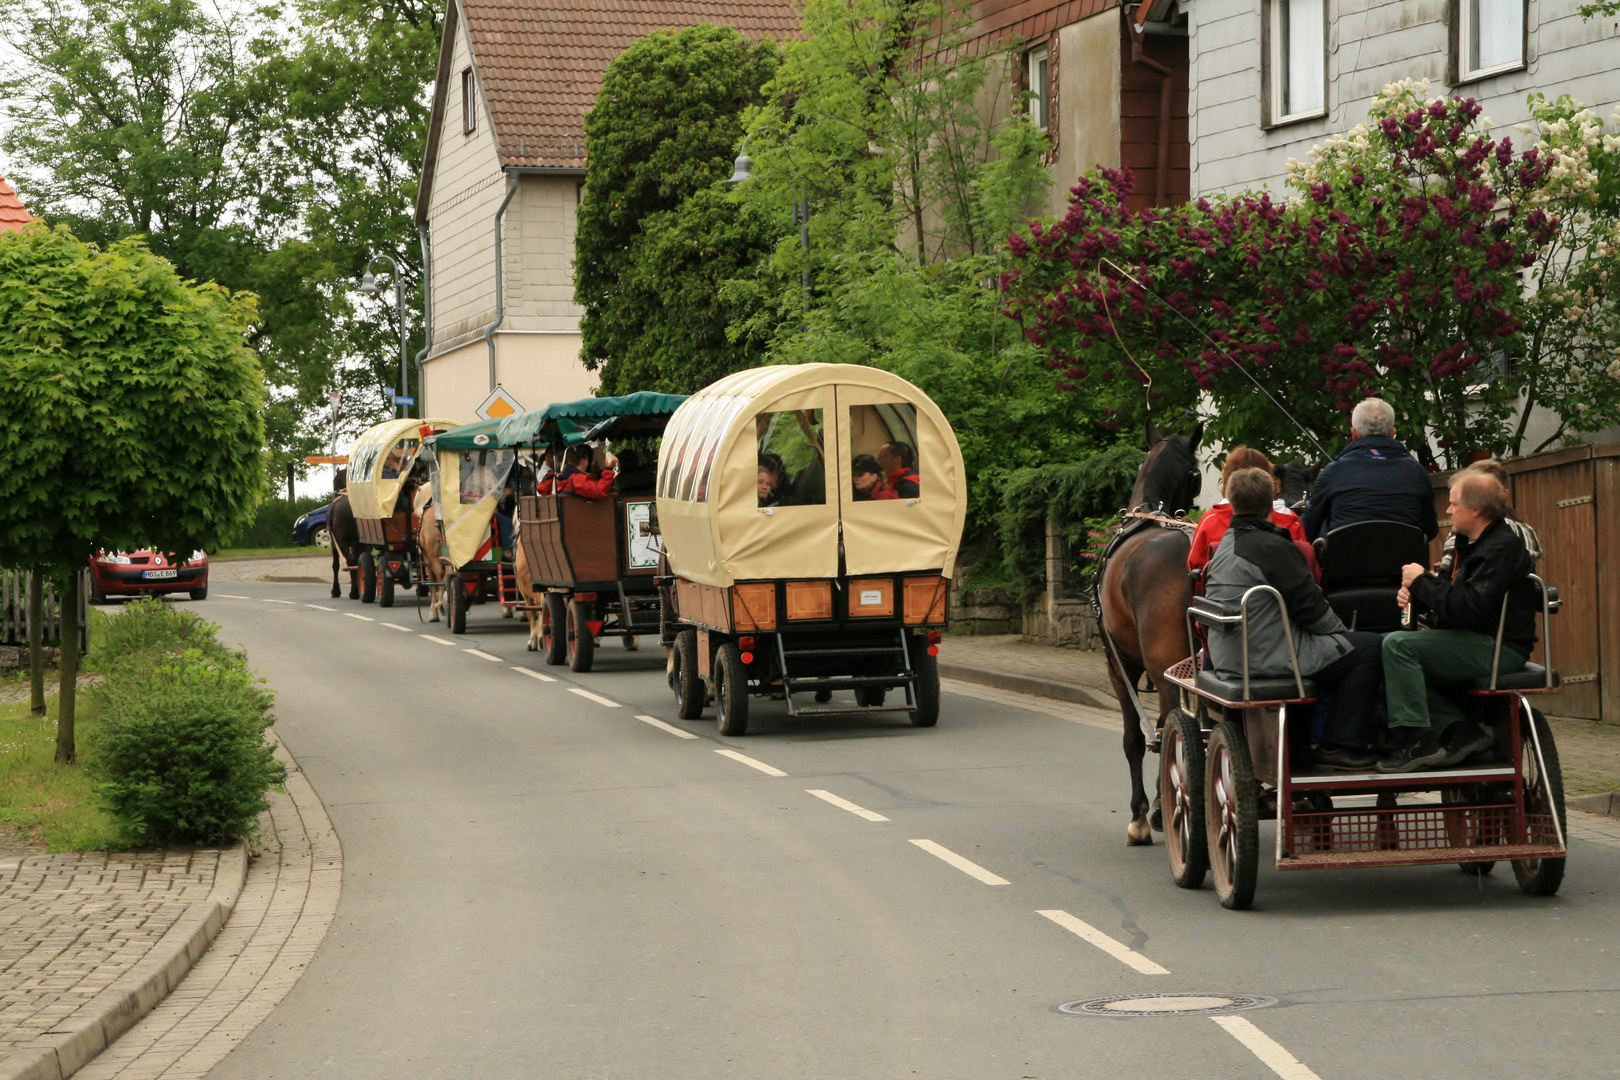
(1256, 552)
(1374, 479)
(1492, 562)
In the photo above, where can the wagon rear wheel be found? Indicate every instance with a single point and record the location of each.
(730, 690)
(385, 585)
(926, 714)
(1181, 800)
(1232, 816)
(684, 679)
(368, 577)
(455, 604)
(1544, 795)
(554, 628)
(581, 642)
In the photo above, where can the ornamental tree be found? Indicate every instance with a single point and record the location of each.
(134, 413)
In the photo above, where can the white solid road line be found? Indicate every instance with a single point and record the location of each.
(438, 640)
(317, 607)
(484, 655)
(844, 804)
(598, 698)
(396, 626)
(1264, 1047)
(289, 603)
(661, 726)
(768, 770)
(362, 618)
(233, 596)
(1086, 932)
(533, 674)
(967, 866)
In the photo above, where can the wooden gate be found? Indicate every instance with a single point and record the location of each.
(14, 610)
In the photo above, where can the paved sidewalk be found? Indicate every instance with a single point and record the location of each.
(312, 569)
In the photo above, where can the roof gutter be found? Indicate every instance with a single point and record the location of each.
(500, 275)
(427, 317)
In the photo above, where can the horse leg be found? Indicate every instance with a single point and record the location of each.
(1139, 832)
(354, 573)
(336, 592)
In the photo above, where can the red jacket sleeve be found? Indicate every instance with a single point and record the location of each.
(582, 485)
(1211, 527)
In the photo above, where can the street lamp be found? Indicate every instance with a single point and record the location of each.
(368, 286)
(742, 171)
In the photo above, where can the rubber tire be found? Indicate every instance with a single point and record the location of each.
(823, 696)
(870, 697)
(1181, 799)
(581, 642)
(1542, 877)
(368, 577)
(385, 586)
(200, 594)
(322, 537)
(97, 597)
(1232, 817)
(455, 604)
(554, 628)
(684, 679)
(926, 713)
(730, 690)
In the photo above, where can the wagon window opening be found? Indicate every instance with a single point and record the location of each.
(791, 470)
(708, 430)
(483, 472)
(398, 459)
(883, 452)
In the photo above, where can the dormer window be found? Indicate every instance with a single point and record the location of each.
(469, 102)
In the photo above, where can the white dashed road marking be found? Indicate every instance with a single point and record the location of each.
(661, 726)
(438, 640)
(533, 674)
(484, 655)
(845, 804)
(317, 607)
(598, 698)
(1088, 933)
(289, 603)
(1264, 1047)
(401, 629)
(362, 618)
(967, 866)
(768, 770)
(233, 596)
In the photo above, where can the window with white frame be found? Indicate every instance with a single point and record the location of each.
(469, 102)
(1296, 59)
(1490, 37)
(1037, 79)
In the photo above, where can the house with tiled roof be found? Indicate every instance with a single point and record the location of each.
(13, 215)
(502, 178)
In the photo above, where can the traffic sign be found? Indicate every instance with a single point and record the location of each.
(500, 403)
(404, 400)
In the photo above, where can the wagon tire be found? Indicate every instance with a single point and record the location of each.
(1543, 794)
(385, 586)
(1181, 800)
(455, 604)
(1232, 816)
(368, 577)
(870, 697)
(581, 642)
(554, 628)
(730, 690)
(926, 693)
(684, 679)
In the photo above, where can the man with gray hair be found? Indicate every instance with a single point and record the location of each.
(1374, 479)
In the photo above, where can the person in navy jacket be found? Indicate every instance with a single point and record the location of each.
(1374, 479)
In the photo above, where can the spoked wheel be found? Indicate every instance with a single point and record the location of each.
(1543, 794)
(926, 714)
(455, 604)
(385, 585)
(1463, 829)
(581, 642)
(730, 690)
(368, 577)
(554, 628)
(1232, 821)
(683, 676)
(1181, 799)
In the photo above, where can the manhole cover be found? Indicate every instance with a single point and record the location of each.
(1127, 1006)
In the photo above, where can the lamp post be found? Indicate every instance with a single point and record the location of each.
(368, 286)
(742, 171)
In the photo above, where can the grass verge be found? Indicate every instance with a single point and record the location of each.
(53, 803)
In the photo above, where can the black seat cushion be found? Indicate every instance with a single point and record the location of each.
(1367, 607)
(1267, 689)
(1370, 552)
(1532, 677)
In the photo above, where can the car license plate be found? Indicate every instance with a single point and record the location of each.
(154, 575)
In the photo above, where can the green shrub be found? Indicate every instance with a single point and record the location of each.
(272, 527)
(147, 628)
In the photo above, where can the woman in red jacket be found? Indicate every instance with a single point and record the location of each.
(1212, 526)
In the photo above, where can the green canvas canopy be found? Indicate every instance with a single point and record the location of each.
(574, 422)
(466, 438)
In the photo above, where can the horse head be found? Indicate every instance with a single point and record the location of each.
(1296, 478)
(1170, 478)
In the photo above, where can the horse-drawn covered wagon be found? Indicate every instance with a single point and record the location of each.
(384, 473)
(796, 562)
(475, 481)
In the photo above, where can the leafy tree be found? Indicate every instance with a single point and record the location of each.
(134, 413)
(654, 241)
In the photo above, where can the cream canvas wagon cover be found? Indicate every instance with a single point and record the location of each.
(818, 429)
(380, 460)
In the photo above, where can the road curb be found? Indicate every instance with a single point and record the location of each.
(58, 1054)
(1024, 684)
(1608, 804)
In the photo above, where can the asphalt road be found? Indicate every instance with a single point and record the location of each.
(539, 883)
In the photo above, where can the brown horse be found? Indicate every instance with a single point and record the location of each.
(427, 544)
(345, 536)
(1143, 592)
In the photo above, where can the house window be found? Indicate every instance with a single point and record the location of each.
(1296, 60)
(1489, 37)
(1037, 79)
(469, 103)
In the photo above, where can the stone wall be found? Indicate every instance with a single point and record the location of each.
(1065, 622)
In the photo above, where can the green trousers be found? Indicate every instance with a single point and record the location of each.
(1420, 664)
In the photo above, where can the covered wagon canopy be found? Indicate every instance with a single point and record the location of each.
(381, 459)
(760, 472)
(470, 468)
(568, 423)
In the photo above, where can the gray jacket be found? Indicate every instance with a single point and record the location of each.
(1256, 552)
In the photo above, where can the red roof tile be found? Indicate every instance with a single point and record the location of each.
(13, 215)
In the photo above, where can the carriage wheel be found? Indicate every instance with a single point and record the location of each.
(368, 577)
(730, 690)
(385, 585)
(1181, 800)
(581, 642)
(553, 628)
(684, 678)
(455, 604)
(1543, 794)
(1232, 819)
(926, 714)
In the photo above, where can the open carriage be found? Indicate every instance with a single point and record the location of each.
(594, 561)
(474, 489)
(1234, 754)
(384, 472)
(807, 587)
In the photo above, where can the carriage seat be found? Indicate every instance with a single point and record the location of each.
(1260, 689)
(1531, 677)
(1361, 570)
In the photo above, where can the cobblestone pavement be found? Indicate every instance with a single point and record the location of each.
(283, 914)
(71, 924)
(297, 569)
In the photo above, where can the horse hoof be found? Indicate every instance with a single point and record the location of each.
(1139, 834)
(336, 593)
(531, 647)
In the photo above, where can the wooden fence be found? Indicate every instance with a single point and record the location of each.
(1572, 498)
(14, 610)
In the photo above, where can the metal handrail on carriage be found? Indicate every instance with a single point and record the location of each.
(1241, 619)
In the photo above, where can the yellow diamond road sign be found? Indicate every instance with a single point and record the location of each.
(499, 404)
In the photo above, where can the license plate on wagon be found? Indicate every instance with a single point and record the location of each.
(155, 575)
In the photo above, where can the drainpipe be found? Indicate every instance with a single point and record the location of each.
(1161, 167)
(427, 318)
(500, 281)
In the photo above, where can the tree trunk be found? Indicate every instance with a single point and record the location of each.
(36, 642)
(65, 749)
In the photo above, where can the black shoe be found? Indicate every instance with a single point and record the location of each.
(1420, 752)
(1461, 741)
(1340, 757)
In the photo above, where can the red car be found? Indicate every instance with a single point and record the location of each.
(146, 573)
